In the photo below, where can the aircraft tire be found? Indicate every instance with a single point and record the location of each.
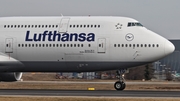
(119, 85)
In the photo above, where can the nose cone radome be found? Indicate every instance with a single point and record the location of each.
(169, 48)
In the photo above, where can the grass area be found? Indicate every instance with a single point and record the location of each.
(80, 86)
(83, 99)
(61, 86)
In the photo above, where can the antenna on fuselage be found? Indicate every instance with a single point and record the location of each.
(61, 14)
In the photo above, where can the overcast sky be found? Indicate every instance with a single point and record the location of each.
(160, 16)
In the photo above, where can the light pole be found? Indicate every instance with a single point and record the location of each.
(163, 71)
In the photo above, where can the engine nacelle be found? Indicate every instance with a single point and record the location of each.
(11, 76)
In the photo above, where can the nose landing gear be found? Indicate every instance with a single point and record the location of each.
(120, 85)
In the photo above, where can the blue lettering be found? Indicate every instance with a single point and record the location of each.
(55, 36)
(37, 39)
(44, 35)
(49, 36)
(65, 37)
(27, 36)
(75, 37)
(90, 37)
(82, 37)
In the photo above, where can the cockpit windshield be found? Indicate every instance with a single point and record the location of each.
(130, 24)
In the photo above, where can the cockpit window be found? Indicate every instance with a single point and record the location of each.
(133, 24)
(130, 24)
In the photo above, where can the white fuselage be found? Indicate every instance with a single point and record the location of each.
(76, 44)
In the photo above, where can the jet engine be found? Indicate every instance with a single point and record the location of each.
(11, 76)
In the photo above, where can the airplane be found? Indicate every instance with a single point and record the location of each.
(77, 44)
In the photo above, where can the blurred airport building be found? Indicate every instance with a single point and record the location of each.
(169, 64)
(167, 68)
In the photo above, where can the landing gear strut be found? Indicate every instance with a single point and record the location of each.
(120, 85)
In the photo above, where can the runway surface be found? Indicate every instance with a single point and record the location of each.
(110, 93)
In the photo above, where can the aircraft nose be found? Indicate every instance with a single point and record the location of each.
(169, 47)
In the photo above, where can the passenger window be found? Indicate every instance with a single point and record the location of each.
(42, 26)
(39, 45)
(149, 45)
(145, 45)
(64, 45)
(18, 26)
(78, 45)
(153, 45)
(29, 45)
(60, 45)
(46, 45)
(82, 45)
(157, 45)
(14, 26)
(70, 26)
(91, 26)
(4, 26)
(89, 45)
(141, 45)
(74, 45)
(126, 45)
(81, 26)
(118, 45)
(134, 45)
(114, 45)
(43, 45)
(87, 26)
(137, 45)
(52, 26)
(53, 45)
(67, 45)
(99, 26)
(32, 45)
(122, 45)
(74, 26)
(94, 26)
(71, 45)
(19, 45)
(129, 45)
(77, 26)
(29, 26)
(100, 45)
(57, 45)
(22, 45)
(84, 26)
(49, 45)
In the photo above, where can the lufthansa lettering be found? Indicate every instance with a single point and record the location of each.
(55, 36)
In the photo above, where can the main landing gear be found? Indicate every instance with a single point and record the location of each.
(120, 85)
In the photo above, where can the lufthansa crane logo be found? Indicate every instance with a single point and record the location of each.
(129, 37)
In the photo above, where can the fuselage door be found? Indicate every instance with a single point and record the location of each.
(101, 45)
(9, 45)
(64, 25)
